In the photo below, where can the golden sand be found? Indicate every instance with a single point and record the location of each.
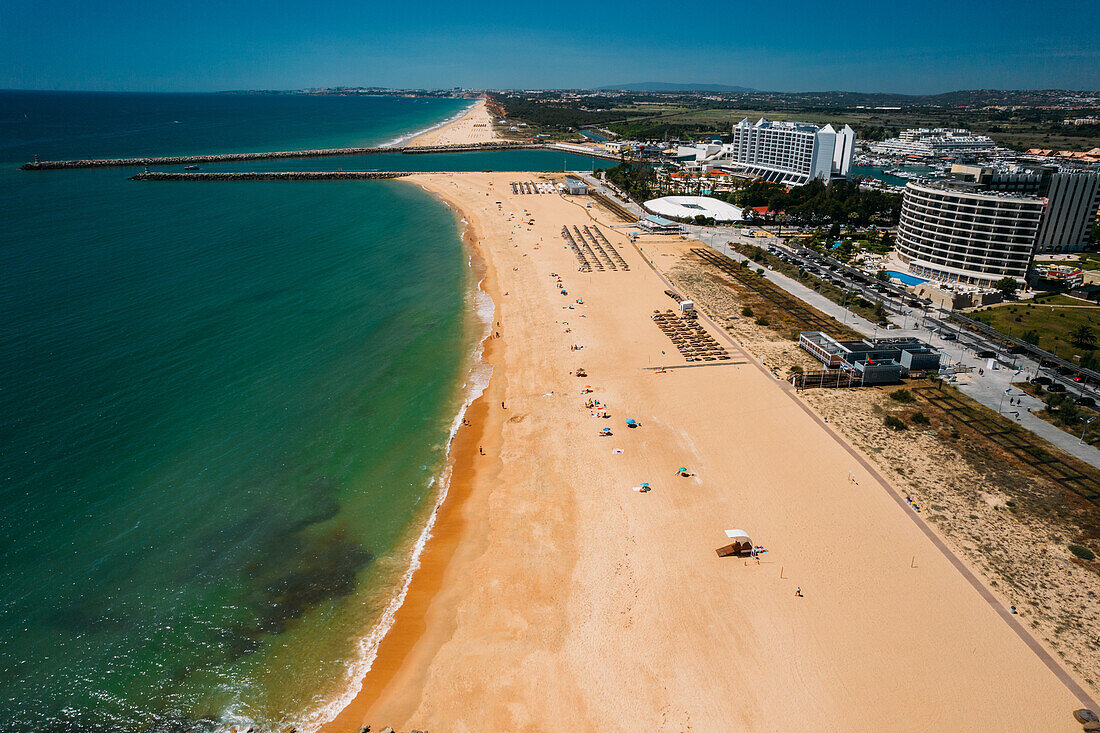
(554, 597)
(474, 127)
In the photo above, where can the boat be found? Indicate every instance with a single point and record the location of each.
(190, 167)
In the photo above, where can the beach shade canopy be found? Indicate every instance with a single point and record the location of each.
(681, 469)
(631, 421)
(739, 542)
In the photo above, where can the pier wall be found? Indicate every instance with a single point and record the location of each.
(45, 165)
(269, 175)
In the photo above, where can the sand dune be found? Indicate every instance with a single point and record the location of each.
(555, 597)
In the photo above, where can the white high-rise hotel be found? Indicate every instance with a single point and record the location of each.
(791, 152)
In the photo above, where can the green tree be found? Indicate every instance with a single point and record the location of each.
(881, 276)
(1006, 285)
(1083, 336)
(1030, 337)
(1069, 413)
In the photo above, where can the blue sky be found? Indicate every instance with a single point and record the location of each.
(189, 45)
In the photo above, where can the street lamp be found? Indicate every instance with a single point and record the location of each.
(1001, 403)
(1082, 440)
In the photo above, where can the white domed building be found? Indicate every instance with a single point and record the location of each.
(689, 207)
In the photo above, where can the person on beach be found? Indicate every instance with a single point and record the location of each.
(479, 450)
(798, 591)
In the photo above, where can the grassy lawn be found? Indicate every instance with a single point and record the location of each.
(1052, 325)
(1087, 261)
(1059, 299)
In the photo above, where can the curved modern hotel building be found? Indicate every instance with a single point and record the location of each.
(976, 237)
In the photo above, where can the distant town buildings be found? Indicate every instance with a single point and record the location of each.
(939, 142)
(790, 153)
(1089, 156)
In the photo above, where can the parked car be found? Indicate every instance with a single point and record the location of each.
(1085, 401)
(948, 336)
(1056, 387)
(986, 355)
(1041, 380)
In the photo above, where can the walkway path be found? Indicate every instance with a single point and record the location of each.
(987, 388)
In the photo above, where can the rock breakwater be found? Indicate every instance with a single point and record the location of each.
(45, 165)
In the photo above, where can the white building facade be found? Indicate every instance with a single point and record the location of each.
(789, 153)
(938, 142)
(954, 234)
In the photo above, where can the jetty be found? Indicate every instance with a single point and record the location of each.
(46, 165)
(268, 175)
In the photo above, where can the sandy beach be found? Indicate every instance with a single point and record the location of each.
(476, 126)
(553, 596)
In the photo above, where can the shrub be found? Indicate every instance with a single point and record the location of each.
(903, 396)
(796, 369)
(746, 312)
(760, 271)
(1082, 552)
(762, 321)
(919, 418)
(894, 423)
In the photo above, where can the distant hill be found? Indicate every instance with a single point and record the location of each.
(660, 86)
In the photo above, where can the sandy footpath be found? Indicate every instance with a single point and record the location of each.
(556, 598)
(476, 126)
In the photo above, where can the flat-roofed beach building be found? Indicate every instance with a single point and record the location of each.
(961, 234)
(874, 361)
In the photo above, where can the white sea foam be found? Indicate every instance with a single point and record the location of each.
(409, 136)
(477, 379)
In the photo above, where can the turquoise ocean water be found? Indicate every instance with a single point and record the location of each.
(224, 407)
